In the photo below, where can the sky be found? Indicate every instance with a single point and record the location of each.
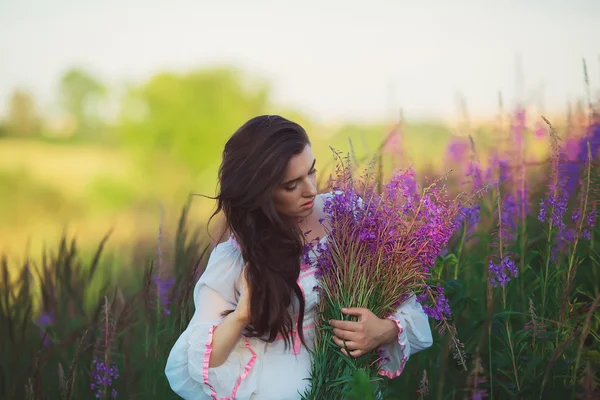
(332, 59)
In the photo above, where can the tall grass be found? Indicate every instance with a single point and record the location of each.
(56, 344)
(70, 330)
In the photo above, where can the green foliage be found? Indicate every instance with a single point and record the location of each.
(190, 116)
(545, 352)
(82, 96)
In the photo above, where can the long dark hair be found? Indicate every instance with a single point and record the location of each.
(254, 163)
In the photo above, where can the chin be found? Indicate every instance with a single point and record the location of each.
(304, 213)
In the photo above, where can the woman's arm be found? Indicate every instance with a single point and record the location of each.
(211, 358)
(402, 334)
(227, 334)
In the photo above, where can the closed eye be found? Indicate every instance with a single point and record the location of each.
(292, 188)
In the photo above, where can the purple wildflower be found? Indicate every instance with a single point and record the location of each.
(576, 154)
(103, 377)
(510, 213)
(476, 381)
(593, 135)
(518, 125)
(457, 150)
(590, 222)
(383, 356)
(403, 187)
(554, 205)
(475, 175)
(504, 174)
(564, 238)
(500, 273)
(575, 215)
(440, 308)
(540, 130)
(164, 286)
(383, 242)
(470, 216)
(44, 321)
(571, 151)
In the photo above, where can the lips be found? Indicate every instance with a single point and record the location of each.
(309, 203)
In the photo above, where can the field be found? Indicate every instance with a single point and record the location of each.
(76, 298)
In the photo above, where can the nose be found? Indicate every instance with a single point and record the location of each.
(311, 189)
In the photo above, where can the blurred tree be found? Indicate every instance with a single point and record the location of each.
(190, 116)
(81, 94)
(22, 118)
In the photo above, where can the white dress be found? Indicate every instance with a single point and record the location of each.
(256, 370)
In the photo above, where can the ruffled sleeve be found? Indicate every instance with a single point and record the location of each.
(187, 368)
(414, 334)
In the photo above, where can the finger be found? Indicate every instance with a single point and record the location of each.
(345, 335)
(353, 354)
(344, 325)
(355, 311)
(356, 353)
(345, 344)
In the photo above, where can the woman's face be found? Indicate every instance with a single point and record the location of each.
(295, 196)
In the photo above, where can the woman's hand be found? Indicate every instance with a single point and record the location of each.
(364, 335)
(242, 311)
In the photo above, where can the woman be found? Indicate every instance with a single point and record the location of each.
(255, 302)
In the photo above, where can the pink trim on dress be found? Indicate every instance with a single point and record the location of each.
(206, 366)
(306, 275)
(304, 267)
(247, 369)
(398, 372)
(206, 363)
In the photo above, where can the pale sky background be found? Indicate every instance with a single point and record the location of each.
(331, 58)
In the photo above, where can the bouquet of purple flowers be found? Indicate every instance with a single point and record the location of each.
(381, 247)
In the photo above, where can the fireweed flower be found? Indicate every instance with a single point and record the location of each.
(469, 216)
(503, 167)
(554, 205)
(564, 238)
(576, 155)
(457, 150)
(44, 321)
(476, 381)
(510, 213)
(103, 377)
(475, 175)
(593, 135)
(163, 287)
(540, 130)
(382, 243)
(104, 370)
(590, 222)
(500, 274)
(438, 309)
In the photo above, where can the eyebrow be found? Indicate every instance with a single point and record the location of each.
(297, 179)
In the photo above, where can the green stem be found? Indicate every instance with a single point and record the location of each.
(510, 345)
(548, 258)
(460, 246)
(490, 361)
